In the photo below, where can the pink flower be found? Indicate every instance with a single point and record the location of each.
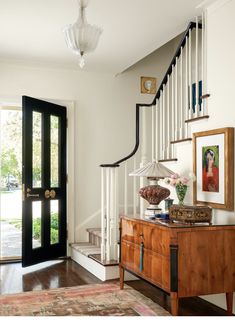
(175, 176)
(184, 180)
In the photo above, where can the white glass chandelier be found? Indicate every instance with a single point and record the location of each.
(81, 37)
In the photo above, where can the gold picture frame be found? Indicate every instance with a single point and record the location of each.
(148, 85)
(213, 165)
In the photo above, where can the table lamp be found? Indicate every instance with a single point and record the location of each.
(153, 193)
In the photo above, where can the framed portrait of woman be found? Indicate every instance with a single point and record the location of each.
(213, 165)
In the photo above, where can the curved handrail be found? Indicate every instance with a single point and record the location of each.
(191, 26)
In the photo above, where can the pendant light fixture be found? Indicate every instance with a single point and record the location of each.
(81, 37)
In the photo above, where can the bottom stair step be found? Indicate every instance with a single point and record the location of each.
(87, 249)
(97, 258)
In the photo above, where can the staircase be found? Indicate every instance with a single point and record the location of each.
(88, 254)
(180, 100)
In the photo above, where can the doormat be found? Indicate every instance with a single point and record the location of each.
(89, 300)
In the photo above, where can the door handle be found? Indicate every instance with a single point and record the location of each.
(50, 194)
(28, 194)
(32, 195)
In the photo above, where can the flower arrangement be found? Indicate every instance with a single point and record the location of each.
(176, 180)
(180, 183)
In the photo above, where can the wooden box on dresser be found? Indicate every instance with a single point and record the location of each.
(183, 260)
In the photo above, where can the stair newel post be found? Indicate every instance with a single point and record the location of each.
(190, 111)
(108, 214)
(117, 212)
(196, 72)
(176, 99)
(186, 89)
(168, 118)
(103, 217)
(113, 216)
(142, 163)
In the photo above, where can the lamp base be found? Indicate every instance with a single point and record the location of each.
(152, 213)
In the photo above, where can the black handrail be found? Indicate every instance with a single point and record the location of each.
(191, 26)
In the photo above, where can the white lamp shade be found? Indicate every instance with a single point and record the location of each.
(152, 170)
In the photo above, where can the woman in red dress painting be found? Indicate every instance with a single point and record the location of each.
(210, 176)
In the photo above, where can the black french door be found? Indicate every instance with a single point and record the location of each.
(44, 181)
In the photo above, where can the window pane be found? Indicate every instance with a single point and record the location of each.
(37, 150)
(37, 223)
(54, 221)
(54, 151)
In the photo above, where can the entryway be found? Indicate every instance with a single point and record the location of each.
(10, 182)
(32, 175)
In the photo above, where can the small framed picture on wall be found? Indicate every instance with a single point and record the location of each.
(148, 85)
(213, 164)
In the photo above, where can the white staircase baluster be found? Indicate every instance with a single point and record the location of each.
(157, 131)
(125, 189)
(153, 132)
(103, 213)
(181, 114)
(134, 190)
(172, 110)
(164, 121)
(204, 92)
(108, 214)
(168, 118)
(190, 112)
(160, 126)
(176, 99)
(186, 89)
(202, 64)
(196, 73)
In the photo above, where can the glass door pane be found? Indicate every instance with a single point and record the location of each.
(37, 150)
(54, 125)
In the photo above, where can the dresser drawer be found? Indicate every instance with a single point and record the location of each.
(131, 231)
(156, 239)
(155, 267)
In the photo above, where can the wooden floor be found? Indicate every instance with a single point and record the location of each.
(15, 279)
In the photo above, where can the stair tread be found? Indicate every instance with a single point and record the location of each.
(97, 258)
(94, 231)
(87, 248)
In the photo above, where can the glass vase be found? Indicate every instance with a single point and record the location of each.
(181, 192)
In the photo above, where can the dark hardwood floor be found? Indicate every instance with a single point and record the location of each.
(15, 279)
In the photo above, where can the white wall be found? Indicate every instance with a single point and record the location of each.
(104, 117)
(221, 82)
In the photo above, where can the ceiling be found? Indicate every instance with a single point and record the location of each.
(31, 30)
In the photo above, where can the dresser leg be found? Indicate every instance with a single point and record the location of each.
(174, 303)
(229, 301)
(121, 271)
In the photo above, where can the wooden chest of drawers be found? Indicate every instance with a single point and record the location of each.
(183, 260)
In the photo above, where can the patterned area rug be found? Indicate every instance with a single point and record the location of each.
(88, 300)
